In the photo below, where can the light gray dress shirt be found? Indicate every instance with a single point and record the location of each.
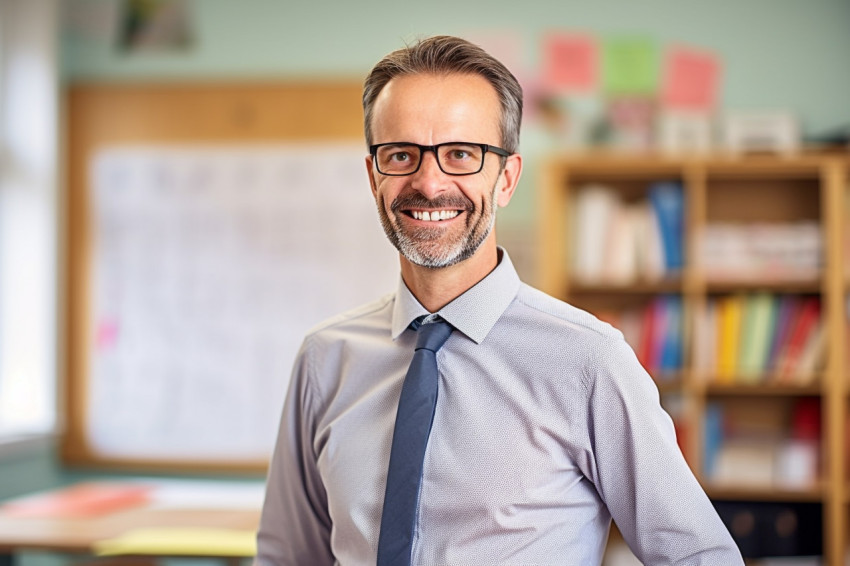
(546, 427)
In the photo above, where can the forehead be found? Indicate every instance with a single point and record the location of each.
(429, 109)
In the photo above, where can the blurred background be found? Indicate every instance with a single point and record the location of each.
(173, 363)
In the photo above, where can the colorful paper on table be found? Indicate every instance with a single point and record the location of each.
(180, 541)
(691, 80)
(630, 66)
(206, 494)
(82, 500)
(570, 62)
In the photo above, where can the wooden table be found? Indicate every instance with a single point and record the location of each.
(78, 535)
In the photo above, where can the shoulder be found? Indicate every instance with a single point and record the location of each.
(564, 316)
(326, 346)
(575, 338)
(372, 316)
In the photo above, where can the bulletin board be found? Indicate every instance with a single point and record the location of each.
(208, 226)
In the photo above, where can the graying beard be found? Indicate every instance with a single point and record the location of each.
(461, 251)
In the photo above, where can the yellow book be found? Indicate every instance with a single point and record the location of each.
(728, 337)
(181, 541)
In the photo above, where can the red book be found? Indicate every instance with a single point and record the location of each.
(806, 420)
(804, 325)
(789, 308)
(646, 351)
(81, 500)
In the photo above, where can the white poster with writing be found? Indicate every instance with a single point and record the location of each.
(209, 265)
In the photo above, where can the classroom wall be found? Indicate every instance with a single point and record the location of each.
(778, 54)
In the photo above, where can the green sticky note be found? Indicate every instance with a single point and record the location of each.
(630, 66)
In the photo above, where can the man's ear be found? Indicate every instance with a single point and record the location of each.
(510, 177)
(370, 171)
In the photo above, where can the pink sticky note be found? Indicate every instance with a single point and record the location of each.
(691, 79)
(504, 45)
(532, 93)
(107, 334)
(570, 62)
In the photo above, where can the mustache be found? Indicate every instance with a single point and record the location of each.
(416, 200)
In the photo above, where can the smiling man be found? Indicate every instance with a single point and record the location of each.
(467, 418)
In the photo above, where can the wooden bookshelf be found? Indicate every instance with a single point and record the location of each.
(743, 190)
(764, 389)
(815, 493)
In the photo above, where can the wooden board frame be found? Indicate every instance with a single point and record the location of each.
(100, 115)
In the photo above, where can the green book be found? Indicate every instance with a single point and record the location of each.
(760, 313)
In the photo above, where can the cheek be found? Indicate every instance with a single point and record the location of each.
(386, 191)
(481, 193)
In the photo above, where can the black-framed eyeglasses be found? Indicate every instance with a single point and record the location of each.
(454, 158)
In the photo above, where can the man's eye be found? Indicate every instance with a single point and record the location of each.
(399, 157)
(460, 153)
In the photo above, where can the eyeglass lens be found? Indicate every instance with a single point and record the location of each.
(453, 158)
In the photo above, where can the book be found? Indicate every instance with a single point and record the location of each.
(646, 352)
(668, 206)
(757, 331)
(746, 374)
(746, 462)
(620, 257)
(787, 311)
(728, 337)
(671, 355)
(89, 499)
(712, 438)
(650, 255)
(811, 356)
(660, 331)
(797, 466)
(705, 356)
(180, 541)
(804, 324)
(759, 251)
(595, 206)
(806, 419)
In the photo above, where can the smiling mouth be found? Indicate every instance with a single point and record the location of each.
(433, 215)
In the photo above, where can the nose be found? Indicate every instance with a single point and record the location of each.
(430, 179)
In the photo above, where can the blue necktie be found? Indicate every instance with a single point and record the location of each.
(410, 437)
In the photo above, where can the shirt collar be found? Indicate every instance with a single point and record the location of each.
(473, 313)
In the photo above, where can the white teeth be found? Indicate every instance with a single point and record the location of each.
(435, 215)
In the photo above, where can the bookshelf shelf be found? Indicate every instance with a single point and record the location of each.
(786, 218)
(636, 288)
(770, 285)
(670, 383)
(763, 389)
(762, 493)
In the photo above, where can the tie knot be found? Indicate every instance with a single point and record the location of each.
(432, 335)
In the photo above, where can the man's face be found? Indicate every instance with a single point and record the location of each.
(461, 210)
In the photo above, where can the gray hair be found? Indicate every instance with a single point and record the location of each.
(445, 55)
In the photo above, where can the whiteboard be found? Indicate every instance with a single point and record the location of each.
(209, 264)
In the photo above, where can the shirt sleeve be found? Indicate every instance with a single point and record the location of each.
(295, 525)
(640, 473)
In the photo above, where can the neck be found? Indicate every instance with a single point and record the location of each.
(434, 288)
